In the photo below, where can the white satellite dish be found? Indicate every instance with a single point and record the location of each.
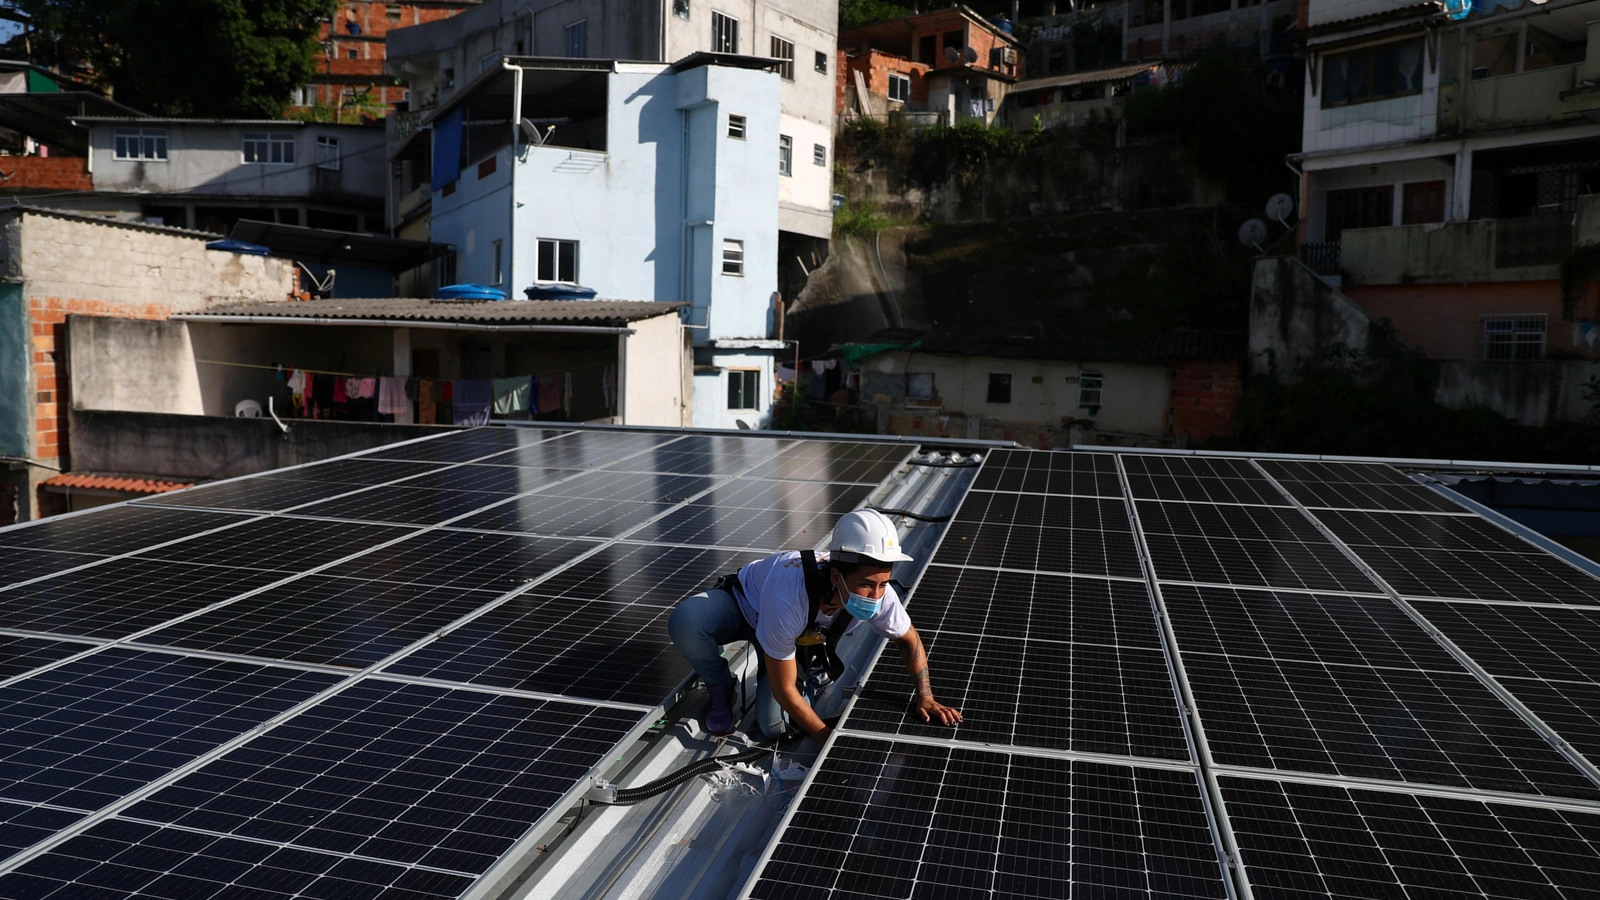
(1252, 233)
(1279, 208)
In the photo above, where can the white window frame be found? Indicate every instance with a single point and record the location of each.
(745, 377)
(1091, 390)
(785, 155)
(819, 154)
(555, 245)
(497, 249)
(328, 153)
(738, 127)
(733, 258)
(783, 48)
(1513, 337)
(145, 144)
(267, 148)
(580, 29)
(904, 91)
(724, 33)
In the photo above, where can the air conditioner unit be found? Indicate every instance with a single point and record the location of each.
(1010, 56)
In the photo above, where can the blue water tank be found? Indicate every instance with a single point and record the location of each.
(470, 292)
(553, 291)
(233, 246)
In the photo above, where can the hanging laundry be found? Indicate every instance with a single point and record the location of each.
(511, 395)
(341, 397)
(392, 398)
(297, 382)
(426, 400)
(550, 388)
(322, 391)
(352, 388)
(566, 390)
(471, 399)
(608, 388)
(369, 389)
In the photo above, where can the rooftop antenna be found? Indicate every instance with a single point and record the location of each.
(1252, 233)
(1279, 208)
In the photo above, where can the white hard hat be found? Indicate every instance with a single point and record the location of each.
(865, 535)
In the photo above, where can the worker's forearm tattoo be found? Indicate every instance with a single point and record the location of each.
(917, 665)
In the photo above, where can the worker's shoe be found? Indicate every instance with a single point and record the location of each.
(719, 720)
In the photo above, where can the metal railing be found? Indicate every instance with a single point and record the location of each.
(1321, 257)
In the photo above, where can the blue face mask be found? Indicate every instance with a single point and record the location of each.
(861, 607)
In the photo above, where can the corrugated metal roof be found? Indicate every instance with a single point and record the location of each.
(1158, 347)
(113, 223)
(126, 484)
(159, 120)
(1095, 76)
(424, 309)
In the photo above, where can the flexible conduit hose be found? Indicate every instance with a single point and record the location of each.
(920, 517)
(668, 782)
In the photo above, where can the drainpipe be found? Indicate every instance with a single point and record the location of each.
(516, 134)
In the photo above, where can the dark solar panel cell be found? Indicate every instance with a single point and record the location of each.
(113, 531)
(861, 463)
(23, 826)
(399, 772)
(581, 450)
(280, 544)
(1335, 472)
(645, 574)
(1522, 641)
(340, 621)
(119, 858)
(1252, 523)
(807, 496)
(502, 481)
(1224, 560)
(470, 444)
(88, 732)
(1199, 479)
(575, 516)
(1030, 693)
(1066, 550)
(120, 598)
(403, 505)
(1037, 472)
(254, 495)
(897, 821)
(1380, 529)
(739, 527)
(1041, 607)
(562, 645)
(1411, 496)
(464, 559)
(704, 455)
(1001, 510)
(1397, 724)
(21, 654)
(1302, 840)
(1572, 709)
(1473, 575)
(643, 486)
(356, 470)
(19, 565)
(1325, 628)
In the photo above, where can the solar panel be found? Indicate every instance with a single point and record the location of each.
(899, 820)
(403, 504)
(22, 826)
(1522, 640)
(1355, 486)
(748, 512)
(1244, 545)
(89, 731)
(19, 654)
(465, 559)
(1031, 472)
(1082, 535)
(115, 531)
(277, 543)
(406, 773)
(288, 488)
(700, 454)
(578, 450)
(1312, 840)
(1425, 532)
(1044, 606)
(318, 619)
(1474, 575)
(860, 463)
(502, 481)
(474, 443)
(651, 486)
(1210, 480)
(574, 516)
(18, 566)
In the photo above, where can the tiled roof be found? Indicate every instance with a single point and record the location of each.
(84, 482)
(424, 309)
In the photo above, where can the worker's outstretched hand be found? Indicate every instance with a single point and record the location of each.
(932, 710)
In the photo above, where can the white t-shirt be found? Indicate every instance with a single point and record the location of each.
(774, 601)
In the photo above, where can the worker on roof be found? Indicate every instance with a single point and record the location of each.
(795, 606)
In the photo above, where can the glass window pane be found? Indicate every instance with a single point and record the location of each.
(1335, 90)
(547, 261)
(569, 260)
(1360, 76)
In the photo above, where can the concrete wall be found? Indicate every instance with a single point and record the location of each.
(188, 448)
(1294, 316)
(1456, 252)
(16, 373)
(132, 364)
(655, 373)
(1375, 122)
(1528, 393)
(1442, 320)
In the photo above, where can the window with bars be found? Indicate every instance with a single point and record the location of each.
(140, 143)
(557, 260)
(785, 155)
(1514, 337)
(744, 389)
(724, 33)
(784, 50)
(1091, 386)
(266, 149)
(736, 127)
(733, 257)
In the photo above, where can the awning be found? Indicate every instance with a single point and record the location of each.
(47, 118)
(335, 248)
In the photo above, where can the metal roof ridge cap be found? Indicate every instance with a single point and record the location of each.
(439, 324)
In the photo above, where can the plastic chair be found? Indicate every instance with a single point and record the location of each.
(247, 409)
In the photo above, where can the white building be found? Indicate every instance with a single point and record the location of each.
(441, 58)
(640, 180)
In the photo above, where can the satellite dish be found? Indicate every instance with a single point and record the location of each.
(1279, 208)
(971, 55)
(1252, 233)
(952, 54)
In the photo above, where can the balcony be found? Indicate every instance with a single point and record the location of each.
(1489, 250)
(1509, 101)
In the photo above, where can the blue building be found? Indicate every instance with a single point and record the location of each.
(643, 181)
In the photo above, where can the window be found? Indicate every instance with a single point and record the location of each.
(819, 154)
(1422, 202)
(447, 268)
(262, 148)
(1372, 73)
(1358, 208)
(392, 13)
(1513, 337)
(140, 143)
(744, 388)
(785, 155)
(496, 276)
(1090, 387)
(578, 39)
(447, 78)
(488, 62)
(733, 257)
(736, 127)
(899, 88)
(919, 386)
(822, 62)
(328, 153)
(558, 260)
(999, 388)
(724, 33)
(350, 54)
(784, 50)
(954, 43)
(680, 8)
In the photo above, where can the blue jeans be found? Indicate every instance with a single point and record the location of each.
(699, 626)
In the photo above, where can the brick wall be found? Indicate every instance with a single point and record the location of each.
(361, 56)
(875, 67)
(1205, 396)
(61, 173)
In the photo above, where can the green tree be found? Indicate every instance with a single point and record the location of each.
(224, 58)
(860, 12)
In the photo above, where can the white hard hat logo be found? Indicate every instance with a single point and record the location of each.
(866, 534)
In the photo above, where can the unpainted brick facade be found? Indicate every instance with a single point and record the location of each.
(354, 48)
(53, 173)
(1205, 398)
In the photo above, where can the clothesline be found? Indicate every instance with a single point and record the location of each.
(282, 368)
